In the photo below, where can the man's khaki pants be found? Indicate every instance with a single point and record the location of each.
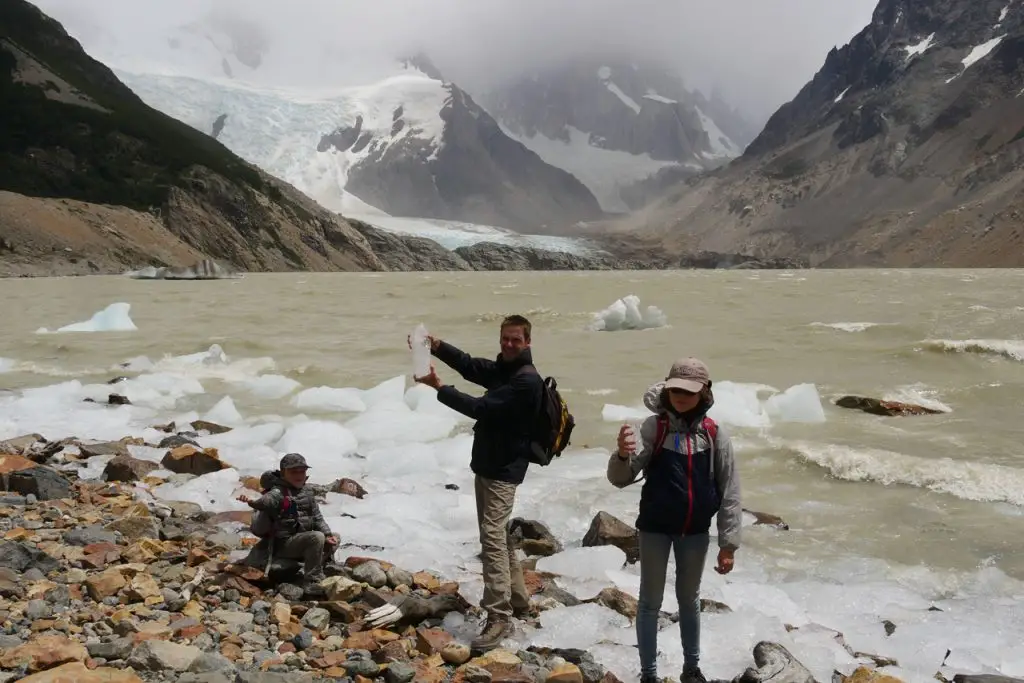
(504, 590)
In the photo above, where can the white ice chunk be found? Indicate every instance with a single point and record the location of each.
(225, 413)
(625, 314)
(113, 318)
(330, 400)
(214, 492)
(271, 387)
(581, 626)
(799, 403)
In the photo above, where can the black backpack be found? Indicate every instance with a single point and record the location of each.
(553, 425)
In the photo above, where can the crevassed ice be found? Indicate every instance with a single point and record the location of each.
(406, 449)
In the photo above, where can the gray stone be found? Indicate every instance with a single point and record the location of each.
(268, 677)
(41, 482)
(88, 535)
(775, 664)
(210, 661)
(233, 618)
(211, 677)
(317, 619)
(304, 640)
(475, 674)
(397, 576)
(162, 655)
(22, 558)
(592, 671)
(370, 573)
(361, 667)
(399, 672)
(119, 648)
(38, 609)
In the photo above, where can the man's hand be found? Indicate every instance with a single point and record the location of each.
(626, 445)
(726, 560)
(332, 539)
(435, 343)
(431, 380)
(245, 499)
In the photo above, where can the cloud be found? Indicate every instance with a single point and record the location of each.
(758, 53)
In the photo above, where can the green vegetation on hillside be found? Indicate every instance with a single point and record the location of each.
(130, 156)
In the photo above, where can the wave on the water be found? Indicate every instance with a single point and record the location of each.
(847, 327)
(967, 480)
(1012, 349)
(918, 395)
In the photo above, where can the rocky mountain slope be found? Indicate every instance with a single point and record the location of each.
(92, 180)
(904, 150)
(126, 185)
(614, 123)
(347, 130)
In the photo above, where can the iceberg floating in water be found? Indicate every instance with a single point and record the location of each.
(113, 318)
(625, 314)
(207, 269)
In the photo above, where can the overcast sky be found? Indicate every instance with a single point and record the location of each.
(757, 52)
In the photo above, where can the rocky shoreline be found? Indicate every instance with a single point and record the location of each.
(101, 582)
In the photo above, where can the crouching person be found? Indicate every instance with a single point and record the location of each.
(289, 523)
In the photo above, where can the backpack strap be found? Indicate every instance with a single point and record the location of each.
(711, 428)
(660, 435)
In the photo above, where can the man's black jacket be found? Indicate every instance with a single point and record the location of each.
(504, 415)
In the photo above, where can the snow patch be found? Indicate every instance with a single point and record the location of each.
(604, 171)
(919, 48)
(839, 97)
(721, 145)
(978, 53)
(654, 96)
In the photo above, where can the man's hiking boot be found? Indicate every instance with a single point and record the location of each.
(494, 631)
(311, 588)
(650, 679)
(692, 675)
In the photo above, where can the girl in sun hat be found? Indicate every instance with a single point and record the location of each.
(690, 475)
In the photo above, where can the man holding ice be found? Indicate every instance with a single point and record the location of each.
(504, 416)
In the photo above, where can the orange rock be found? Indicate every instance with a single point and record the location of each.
(190, 460)
(76, 672)
(534, 582)
(363, 640)
(426, 580)
(44, 652)
(15, 463)
(431, 641)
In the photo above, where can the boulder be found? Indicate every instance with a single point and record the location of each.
(191, 460)
(18, 474)
(606, 529)
(775, 664)
(533, 537)
(127, 468)
(874, 406)
(616, 600)
(766, 519)
(348, 487)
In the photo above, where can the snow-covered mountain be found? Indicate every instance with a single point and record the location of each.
(358, 133)
(613, 124)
